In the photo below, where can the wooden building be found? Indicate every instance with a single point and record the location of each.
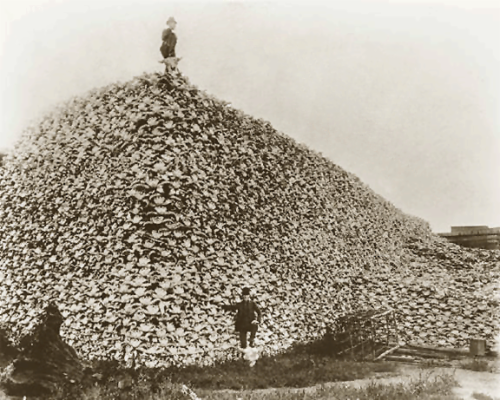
(481, 236)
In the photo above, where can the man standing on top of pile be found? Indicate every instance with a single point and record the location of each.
(167, 49)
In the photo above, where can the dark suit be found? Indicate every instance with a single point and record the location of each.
(169, 40)
(246, 312)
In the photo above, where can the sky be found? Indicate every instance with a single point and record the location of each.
(403, 94)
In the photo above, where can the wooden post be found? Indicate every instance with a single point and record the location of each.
(477, 347)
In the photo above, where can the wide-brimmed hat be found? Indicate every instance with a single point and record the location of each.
(171, 19)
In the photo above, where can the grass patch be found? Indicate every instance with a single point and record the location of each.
(426, 387)
(282, 375)
(299, 367)
(477, 365)
(481, 396)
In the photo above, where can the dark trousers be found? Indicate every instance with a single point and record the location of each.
(243, 337)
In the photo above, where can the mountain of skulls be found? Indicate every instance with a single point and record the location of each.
(141, 207)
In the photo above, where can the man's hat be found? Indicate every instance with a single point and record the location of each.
(246, 291)
(171, 19)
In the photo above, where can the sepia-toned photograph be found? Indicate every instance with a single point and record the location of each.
(250, 200)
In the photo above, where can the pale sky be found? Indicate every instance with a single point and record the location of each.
(404, 94)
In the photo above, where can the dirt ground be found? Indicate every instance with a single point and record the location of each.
(486, 383)
(470, 382)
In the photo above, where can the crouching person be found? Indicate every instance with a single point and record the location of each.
(247, 318)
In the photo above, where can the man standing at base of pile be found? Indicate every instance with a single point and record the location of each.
(247, 318)
(168, 43)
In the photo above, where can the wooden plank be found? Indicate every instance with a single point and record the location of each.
(438, 349)
(391, 357)
(385, 353)
(420, 353)
(354, 346)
